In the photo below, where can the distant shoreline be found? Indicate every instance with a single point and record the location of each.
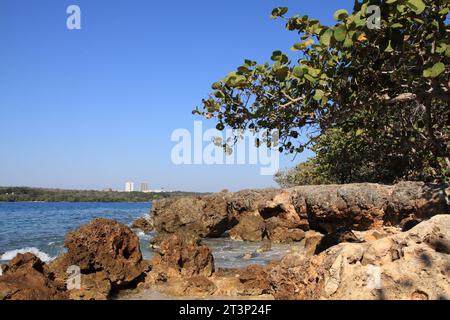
(27, 194)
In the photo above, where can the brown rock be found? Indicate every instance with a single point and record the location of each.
(354, 206)
(94, 286)
(180, 255)
(105, 246)
(325, 208)
(312, 240)
(334, 238)
(285, 235)
(249, 228)
(143, 224)
(26, 278)
(196, 286)
(254, 280)
(206, 216)
(281, 230)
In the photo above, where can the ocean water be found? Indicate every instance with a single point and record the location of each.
(40, 228)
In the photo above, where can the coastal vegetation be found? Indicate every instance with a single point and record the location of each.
(369, 95)
(16, 194)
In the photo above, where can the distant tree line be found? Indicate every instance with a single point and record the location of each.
(17, 194)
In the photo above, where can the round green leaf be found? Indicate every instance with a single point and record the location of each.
(325, 39)
(418, 6)
(340, 15)
(297, 72)
(318, 95)
(434, 71)
(340, 32)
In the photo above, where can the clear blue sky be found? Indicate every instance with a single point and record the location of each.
(95, 107)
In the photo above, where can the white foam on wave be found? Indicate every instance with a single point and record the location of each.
(9, 255)
(143, 236)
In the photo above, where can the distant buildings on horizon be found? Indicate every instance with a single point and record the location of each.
(129, 186)
(143, 187)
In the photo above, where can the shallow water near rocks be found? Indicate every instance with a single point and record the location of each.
(40, 228)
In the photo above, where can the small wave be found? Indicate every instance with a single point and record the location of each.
(9, 255)
(142, 235)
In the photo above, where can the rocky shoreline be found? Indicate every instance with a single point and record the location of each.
(357, 241)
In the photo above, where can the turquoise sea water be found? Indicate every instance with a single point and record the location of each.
(40, 228)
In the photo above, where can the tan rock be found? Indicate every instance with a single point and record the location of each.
(410, 265)
(312, 240)
(197, 286)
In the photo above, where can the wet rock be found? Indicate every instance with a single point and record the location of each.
(265, 246)
(143, 223)
(27, 278)
(249, 228)
(249, 255)
(180, 256)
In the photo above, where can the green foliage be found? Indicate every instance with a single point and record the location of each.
(390, 85)
(306, 173)
(16, 194)
(359, 156)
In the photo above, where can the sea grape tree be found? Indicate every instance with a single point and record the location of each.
(388, 85)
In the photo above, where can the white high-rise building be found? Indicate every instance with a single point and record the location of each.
(144, 187)
(129, 186)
